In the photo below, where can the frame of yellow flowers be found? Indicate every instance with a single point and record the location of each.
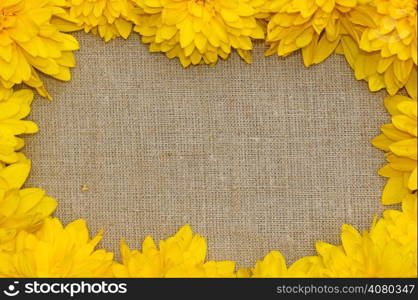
(377, 38)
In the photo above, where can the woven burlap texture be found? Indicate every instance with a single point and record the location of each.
(255, 157)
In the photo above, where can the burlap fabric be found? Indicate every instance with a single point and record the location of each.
(255, 157)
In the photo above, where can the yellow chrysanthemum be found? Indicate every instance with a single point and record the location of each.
(56, 251)
(399, 140)
(315, 26)
(29, 41)
(360, 256)
(20, 209)
(200, 31)
(392, 43)
(395, 39)
(389, 249)
(107, 18)
(400, 226)
(14, 106)
(182, 255)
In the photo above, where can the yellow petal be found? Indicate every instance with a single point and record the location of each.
(394, 191)
(412, 183)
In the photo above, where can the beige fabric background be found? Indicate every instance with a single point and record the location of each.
(255, 157)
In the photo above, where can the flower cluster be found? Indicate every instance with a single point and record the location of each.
(378, 39)
(200, 31)
(388, 249)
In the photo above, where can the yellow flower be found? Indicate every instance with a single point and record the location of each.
(107, 18)
(389, 249)
(360, 256)
(182, 255)
(56, 251)
(386, 55)
(316, 27)
(200, 31)
(14, 106)
(381, 253)
(20, 209)
(399, 140)
(29, 41)
(400, 226)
